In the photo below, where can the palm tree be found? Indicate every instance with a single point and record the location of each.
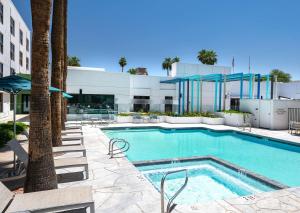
(65, 64)
(122, 62)
(132, 71)
(176, 59)
(40, 174)
(167, 63)
(57, 70)
(207, 57)
(73, 61)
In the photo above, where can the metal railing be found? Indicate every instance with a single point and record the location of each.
(124, 148)
(171, 205)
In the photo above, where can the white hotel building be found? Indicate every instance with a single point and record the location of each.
(96, 88)
(15, 48)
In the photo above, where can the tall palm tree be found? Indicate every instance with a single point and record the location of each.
(167, 63)
(207, 57)
(65, 64)
(40, 173)
(122, 62)
(57, 70)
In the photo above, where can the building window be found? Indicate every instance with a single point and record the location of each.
(1, 102)
(12, 51)
(27, 44)
(21, 58)
(21, 37)
(1, 13)
(1, 43)
(1, 70)
(12, 26)
(12, 71)
(27, 63)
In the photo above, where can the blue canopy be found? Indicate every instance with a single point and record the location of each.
(15, 84)
(66, 95)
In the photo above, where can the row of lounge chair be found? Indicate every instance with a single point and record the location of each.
(294, 127)
(137, 118)
(57, 199)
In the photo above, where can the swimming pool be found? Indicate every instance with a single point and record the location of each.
(207, 180)
(270, 158)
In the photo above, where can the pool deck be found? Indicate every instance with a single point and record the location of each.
(119, 187)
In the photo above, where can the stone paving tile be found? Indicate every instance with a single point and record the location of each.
(119, 187)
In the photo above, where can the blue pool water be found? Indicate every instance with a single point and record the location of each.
(207, 181)
(277, 161)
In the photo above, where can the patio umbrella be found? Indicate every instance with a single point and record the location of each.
(14, 84)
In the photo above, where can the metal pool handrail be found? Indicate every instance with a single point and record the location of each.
(170, 206)
(112, 142)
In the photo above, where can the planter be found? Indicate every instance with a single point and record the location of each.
(183, 120)
(236, 119)
(213, 121)
(124, 119)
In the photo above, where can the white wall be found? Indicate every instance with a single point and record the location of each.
(9, 10)
(290, 90)
(185, 69)
(270, 114)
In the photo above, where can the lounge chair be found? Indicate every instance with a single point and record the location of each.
(294, 126)
(54, 200)
(153, 118)
(137, 118)
(58, 163)
(71, 131)
(69, 138)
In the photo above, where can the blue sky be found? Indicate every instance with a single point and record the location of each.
(147, 31)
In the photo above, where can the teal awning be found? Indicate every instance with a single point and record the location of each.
(66, 95)
(15, 84)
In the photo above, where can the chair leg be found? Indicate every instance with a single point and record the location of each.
(92, 208)
(84, 153)
(86, 171)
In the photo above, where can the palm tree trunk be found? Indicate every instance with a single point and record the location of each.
(65, 63)
(40, 173)
(122, 69)
(57, 69)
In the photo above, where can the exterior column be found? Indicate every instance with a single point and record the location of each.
(241, 87)
(258, 86)
(183, 91)
(220, 95)
(267, 87)
(198, 94)
(201, 95)
(224, 96)
(188, 96)
(216, 96)
(250, 90)
(192, 99)
(179, 97)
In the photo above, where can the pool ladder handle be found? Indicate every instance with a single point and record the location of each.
(112, 142)
(171, 205)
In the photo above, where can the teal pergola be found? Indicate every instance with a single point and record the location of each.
(219, 79)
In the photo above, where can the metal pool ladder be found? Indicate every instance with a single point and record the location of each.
(112, 152)
(171, 205)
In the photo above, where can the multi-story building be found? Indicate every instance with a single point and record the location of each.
(15, 48)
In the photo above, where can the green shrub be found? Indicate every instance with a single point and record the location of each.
(235, 111)
(5, 136)
(124, 114)
(7, 131)
(20, 127)
(209, 115)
